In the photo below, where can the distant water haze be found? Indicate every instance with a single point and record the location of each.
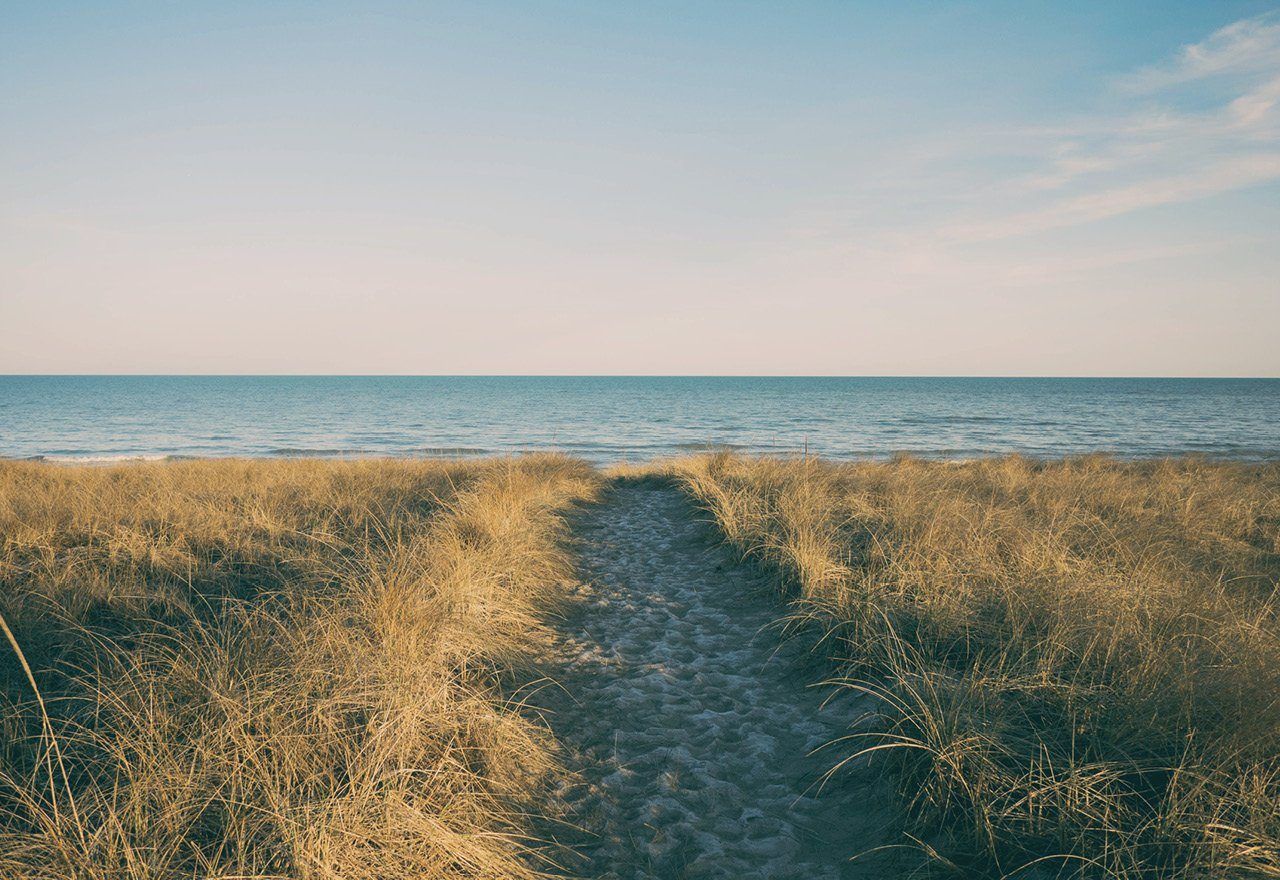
(611, 418)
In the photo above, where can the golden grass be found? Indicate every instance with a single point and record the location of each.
(273, 669)
(1075, 661)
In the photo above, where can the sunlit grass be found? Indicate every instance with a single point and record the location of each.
(1075, 661)
(299, 669)
(273, 669)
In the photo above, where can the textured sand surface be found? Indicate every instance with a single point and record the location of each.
(687, 720)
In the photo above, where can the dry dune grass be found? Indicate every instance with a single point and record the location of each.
(1077, 660)
(273, 669)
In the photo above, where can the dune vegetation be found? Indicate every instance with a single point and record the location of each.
(274, 669)
(309, 669)
(1076, 663)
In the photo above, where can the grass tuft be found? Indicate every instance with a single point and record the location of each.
(274, 669)
(1077, 662)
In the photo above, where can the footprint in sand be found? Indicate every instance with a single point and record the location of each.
(688, 724)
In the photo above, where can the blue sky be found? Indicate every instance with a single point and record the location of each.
(843, 188)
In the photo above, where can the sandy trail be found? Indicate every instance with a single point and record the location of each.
(688, 727)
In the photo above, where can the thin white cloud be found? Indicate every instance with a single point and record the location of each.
(1242, 46)
(1218, 177)
(1155, 154)
(1255, 108)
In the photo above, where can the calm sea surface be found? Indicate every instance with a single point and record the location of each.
(611, 418)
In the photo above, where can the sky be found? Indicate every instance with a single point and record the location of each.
(831, 188)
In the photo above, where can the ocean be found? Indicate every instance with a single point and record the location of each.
(612, 418)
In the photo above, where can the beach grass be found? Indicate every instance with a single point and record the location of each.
(1076, 663)
(308, 668)
(274, 668)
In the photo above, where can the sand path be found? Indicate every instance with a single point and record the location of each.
(687, 720)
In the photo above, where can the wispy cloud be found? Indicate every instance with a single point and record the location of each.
(1217, 177)
(1153, 153)
(1248, 45)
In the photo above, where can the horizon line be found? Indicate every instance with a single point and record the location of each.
(140, 375)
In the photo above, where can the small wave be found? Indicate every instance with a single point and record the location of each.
(362, 451)
(941, 420)
(100, 458)
(305, 452)
(710, 446)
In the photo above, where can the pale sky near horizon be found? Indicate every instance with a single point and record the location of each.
(562, 187)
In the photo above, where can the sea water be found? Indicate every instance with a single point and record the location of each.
(610, 418)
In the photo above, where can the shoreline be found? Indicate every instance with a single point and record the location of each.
(467, 455)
